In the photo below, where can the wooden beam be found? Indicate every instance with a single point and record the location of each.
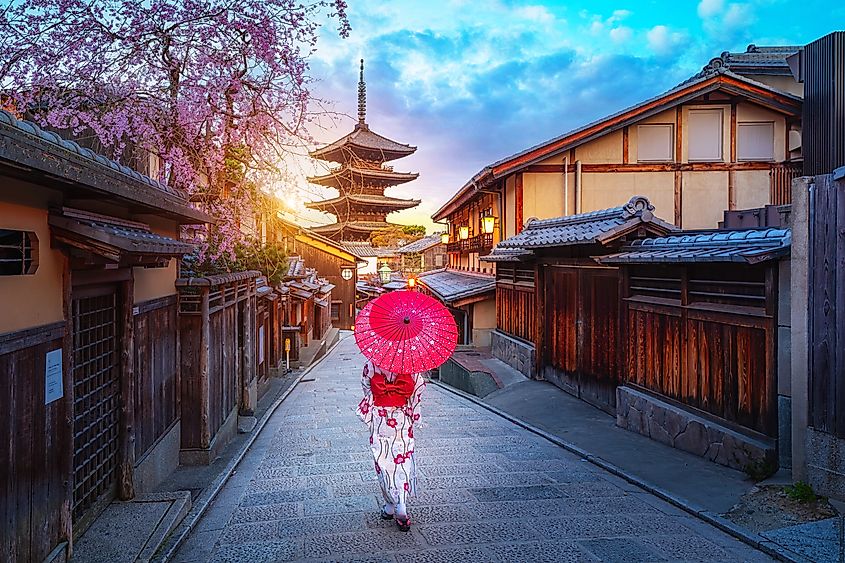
(519, 202)
(732, 190)
(625, 145)
(679, 134)
(540, 320)
(733, 131)
(66, 456)
(654, 167)
(679, 180)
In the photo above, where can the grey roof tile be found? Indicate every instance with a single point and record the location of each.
(420, 245)
(584, 228)
(452, 285)
(747, 246)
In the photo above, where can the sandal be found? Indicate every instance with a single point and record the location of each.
(404, 524)
(385, 515)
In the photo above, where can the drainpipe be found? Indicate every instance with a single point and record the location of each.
(578, 187)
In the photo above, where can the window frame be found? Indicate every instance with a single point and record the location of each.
(671, 144)
(28, 249)
(740, 126)
(721, 123)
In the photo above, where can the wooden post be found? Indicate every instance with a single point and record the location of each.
(679, 197)
(205, 430)
(518, 217)
(540, 320)
(126, 453)
(625, 156)
(679, 153)
(66, 445)
(247, 407)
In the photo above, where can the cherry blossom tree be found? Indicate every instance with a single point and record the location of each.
(215, 88)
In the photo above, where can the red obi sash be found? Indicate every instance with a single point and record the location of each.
(391, 393)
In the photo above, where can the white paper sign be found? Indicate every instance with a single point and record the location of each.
(53, 388)
(260, 345)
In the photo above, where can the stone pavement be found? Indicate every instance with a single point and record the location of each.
(490, 491)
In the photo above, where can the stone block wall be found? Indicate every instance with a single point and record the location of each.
(516, 353)
(674, 426)
(476, 383)
(826, 463)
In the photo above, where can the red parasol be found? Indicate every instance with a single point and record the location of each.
(406, 332)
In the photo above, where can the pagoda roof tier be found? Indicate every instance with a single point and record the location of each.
(346, 176)
(363, 200)
(362, 227)
(365, 145)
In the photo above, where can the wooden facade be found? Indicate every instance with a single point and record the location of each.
(826, 320)
(217, 331)
(89, 339)
(705, 335)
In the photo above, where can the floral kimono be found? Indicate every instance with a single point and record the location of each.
(391, 407)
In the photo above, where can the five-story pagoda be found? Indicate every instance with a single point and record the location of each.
(361, 179)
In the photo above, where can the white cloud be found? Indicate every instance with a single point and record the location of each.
(662, 40)
(535, 13)
(596, 27)
(710, 8)
(618, 16)
(620, 34)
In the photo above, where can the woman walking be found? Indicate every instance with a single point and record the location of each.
(402, 334)
(390, 407)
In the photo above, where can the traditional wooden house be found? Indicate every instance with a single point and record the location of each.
(427, 253)
(727, 138)
(470, 298)
(331, 261)
(89, 370)
(557, 311)
(701, 340)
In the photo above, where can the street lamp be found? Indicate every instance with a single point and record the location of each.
(444, 238)
(488, 223)
(384, 273)
(463, 233)
(412, 282)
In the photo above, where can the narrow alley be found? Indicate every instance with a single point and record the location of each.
(490, 491)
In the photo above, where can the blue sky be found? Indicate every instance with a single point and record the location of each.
(470, 82)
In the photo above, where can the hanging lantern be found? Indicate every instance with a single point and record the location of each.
(463, 232)
(384, 273)
(444, 238)
(487, 223)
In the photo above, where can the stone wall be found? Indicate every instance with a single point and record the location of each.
(826, 463)
(516, 353)
(677, 427)
(476, 383)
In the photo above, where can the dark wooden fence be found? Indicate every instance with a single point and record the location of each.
(515, 310)
(780, 182)
(35, 444)
(704, 335)
(156, 372)
(826, 322)
(217, 333)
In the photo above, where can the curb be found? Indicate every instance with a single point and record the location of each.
(169, 548)
(752, 539)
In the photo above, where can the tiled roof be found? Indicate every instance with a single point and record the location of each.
(387, 177)
(420, 245)
(584, 228)
(754, 60)
(296, 267)
(365, 199)
(367, 250)
(124, 238)
(360, 226)
(747, 246)
(507, 255)
(151, 192)
(365, 139)
(453, 285)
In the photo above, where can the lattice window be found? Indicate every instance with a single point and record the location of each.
(96, 399)
(18, 253)
(656, 281)
(335, 310)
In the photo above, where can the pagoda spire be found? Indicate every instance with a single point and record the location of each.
(362, 99)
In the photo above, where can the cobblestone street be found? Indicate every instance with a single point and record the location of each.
(490, 491)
